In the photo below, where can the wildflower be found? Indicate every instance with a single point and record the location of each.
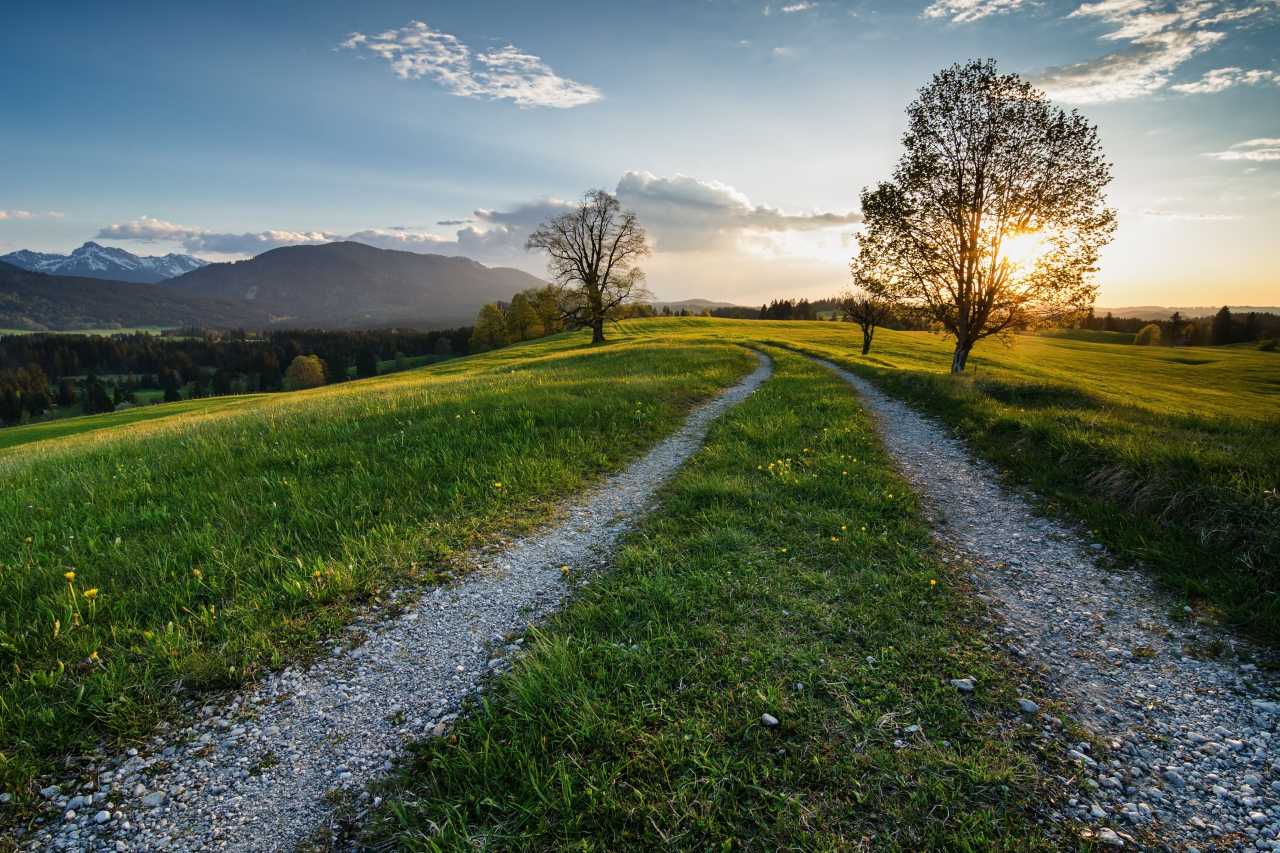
(843, 527)
(933, 581)
(497, 485)
(564, 570)
(148, 635)
(844, 473)
(197, 574)
(835, 538)
(93, 656)
(91, 593)
(316, 574)
(70, 576)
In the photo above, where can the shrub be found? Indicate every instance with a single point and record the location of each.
(306, 371)
(1148, 336)
(1268, 345)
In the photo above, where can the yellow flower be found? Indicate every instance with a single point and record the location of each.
(835, 538)
(316, 573)
(93, 656)
(843, 527)
(91, 593)
(70, 576)
(564, 570)
(148, 635)
(933, 581)
(497, 485)
(196, 573)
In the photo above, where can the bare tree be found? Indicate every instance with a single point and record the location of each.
(996, 212)
(871, 301)
(594, 249)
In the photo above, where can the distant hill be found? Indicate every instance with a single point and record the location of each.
(94, 261)
(695, 305)
(350, 284)
(38, 302)
(1161, 312)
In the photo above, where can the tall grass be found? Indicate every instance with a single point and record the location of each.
(141, 562)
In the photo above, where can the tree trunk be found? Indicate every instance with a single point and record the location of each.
(866, 342)
(960, 357)
(597, 330)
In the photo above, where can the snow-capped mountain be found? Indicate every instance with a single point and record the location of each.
(94, 261)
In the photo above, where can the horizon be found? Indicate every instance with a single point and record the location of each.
(741, 133)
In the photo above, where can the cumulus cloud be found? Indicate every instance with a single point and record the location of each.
(1265, 150)
(965, 11)
(1160, 36)
(682, 214)
(792, 8)
(1220, 79)
(686, 213)
(506, 73)
(16, 214)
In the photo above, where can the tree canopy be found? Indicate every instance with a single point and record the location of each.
(996, 212)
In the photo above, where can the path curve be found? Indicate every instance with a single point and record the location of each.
(1190, 764)
(254, 773)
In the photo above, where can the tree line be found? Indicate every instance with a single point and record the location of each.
(99, 373)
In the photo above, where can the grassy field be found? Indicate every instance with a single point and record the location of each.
(193, 551)
(1167, 454)
(60, 427)
(787, 571)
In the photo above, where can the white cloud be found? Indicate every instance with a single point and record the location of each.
(1265, 150)
(28, 214)
(965, 11)
(1161, 36)
(686, 213)
(1184, 216)
(683, 214)
(783, 52)
(1220, 79)
(792, 8)
(505, 73)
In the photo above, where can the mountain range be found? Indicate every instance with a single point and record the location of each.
(334, 285)
(1162, 312)
(96, 261)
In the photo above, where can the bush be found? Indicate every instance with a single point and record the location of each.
(1148, 336)
(306, 371)
(1268, 345)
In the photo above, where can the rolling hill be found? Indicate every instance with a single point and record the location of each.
(350, 284)
(35, 301)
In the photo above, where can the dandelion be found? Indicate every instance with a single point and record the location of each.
(933, 581)
(70, 576)
(197, 574)
(497, 486)
(91, 593)
(564, 570)
(93, 656)
(316, 574)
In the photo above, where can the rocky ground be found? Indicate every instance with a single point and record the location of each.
(263, 770)
(1184, 720)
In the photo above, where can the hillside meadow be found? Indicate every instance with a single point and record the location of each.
(217, 538)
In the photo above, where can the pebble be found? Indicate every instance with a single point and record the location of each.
(964, 685)
(1026, 706)
(769, 720)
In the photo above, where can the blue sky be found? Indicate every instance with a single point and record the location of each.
(741, 132)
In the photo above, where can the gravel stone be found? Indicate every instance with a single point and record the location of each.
(1186, 731)
(305, 732)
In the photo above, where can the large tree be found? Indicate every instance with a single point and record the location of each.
(593, 252)
(996, 212)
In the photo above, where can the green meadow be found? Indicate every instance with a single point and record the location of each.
(194, 545)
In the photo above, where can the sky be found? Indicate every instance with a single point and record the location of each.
(740, 132)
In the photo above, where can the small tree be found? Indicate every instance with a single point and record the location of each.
(996, 212)
(521, 320)
(593, 250)
(871, 301)
(1148, 336)
(305, 371)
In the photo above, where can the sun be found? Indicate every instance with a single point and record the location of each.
(1022, 250)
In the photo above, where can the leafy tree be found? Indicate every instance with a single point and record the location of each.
(491, 329)
(521, 320)
(1148, 336)
(11, 406)
(593, 250)
(1221, 332)
(996, 212)
(96, 400)
(444, 346)
(67, 394)
(305, 371)
(546, 304)
(221, 383)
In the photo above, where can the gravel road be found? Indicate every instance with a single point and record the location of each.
(1187, 762)
(256, 772)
